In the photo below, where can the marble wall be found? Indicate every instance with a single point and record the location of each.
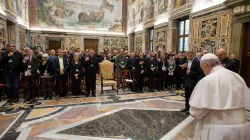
(77, 41)
(211, 32)
(22, 38)
(160, 39)
(138, 42)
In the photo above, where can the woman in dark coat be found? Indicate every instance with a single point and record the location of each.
(77, 71)
(162, 72)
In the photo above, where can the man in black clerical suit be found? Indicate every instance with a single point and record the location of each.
(225, 61)
(151, 71)
(91, 66)
(61, 70)
(193, 70)
(30, 72)
(140, 70)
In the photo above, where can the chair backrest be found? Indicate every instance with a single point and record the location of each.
(107, 70)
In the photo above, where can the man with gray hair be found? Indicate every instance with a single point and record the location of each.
(218, 102)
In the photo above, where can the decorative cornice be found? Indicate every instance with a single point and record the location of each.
(210, 10)
(181, 11)
(234, 3)
(161, 25)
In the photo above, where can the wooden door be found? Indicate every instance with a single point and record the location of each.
(245, 65)
(91, 44)
(55, 45)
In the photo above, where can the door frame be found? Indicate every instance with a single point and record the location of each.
(238, 34)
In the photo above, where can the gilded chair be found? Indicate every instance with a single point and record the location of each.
(108, 77)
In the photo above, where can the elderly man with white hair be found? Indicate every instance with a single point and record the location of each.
(219, 102)
(46, 72)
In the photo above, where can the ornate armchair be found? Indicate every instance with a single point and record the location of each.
(108, 77)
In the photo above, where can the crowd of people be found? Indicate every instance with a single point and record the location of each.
(162, 71)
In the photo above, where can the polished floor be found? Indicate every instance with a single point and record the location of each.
(112, 116)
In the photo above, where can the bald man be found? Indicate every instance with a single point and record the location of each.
(225, 61)
(204, 52)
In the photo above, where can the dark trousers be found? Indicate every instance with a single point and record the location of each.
(47, 87)
(30, 82)
(91, 83)
(12, 92)
(178, 82)
(161, 80)
(189, 87)
(139, 82)
(61, 89)
(76, 86)
(151, 81)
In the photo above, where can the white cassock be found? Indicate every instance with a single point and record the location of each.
(219, 102)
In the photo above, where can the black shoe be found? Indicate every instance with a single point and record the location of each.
(184, 110)
(45, 97)
(9, 101)
(87, 95)
(57, 97)
(187, 113)
(15, 100)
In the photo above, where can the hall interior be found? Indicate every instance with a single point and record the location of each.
(170, 26)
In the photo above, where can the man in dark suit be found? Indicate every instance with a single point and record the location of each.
(30, 72)
(179, 73)
(61, 69)
(225, 61)
(236, 64)
(192, 69)
(151, 71)
(91, 66)
(12, 62)
(140, 70)
(52, 56)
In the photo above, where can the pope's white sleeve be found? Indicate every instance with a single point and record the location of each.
(198, 112)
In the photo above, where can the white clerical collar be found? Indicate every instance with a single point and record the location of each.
(216, 68)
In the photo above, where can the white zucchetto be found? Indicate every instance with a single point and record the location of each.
(209, 56)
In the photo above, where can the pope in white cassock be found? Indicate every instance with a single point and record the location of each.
(219, 102)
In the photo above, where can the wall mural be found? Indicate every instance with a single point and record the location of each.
(102, 15)
(22, 7)
(209, 28)
(115, 43)
(138, 43)
(11, 6)
(3, 32)
(123, 44)
(224, 25)
(209, 46)
(2, 4)
(142, 11)
(211, 32)
(161, 36)
(22, 38)
(223, 44)
(162, 6)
